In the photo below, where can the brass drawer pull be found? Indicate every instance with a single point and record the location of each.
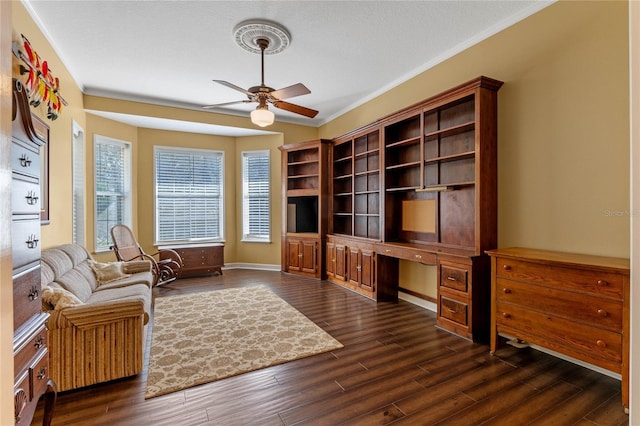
(506, 290)
(603, 313)
(506, 267)
(601, 343)
(418, 256)
(603, 283)
(34, 293)
(32, 242)
(506, 315)
(42, 374)
(24, 161)
(450, 278)
(32, 198)
(39, 342)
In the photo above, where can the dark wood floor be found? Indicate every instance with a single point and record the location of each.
(396, 368)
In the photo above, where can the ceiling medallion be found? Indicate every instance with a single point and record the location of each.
(247, 34)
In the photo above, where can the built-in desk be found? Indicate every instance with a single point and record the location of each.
(372, 269)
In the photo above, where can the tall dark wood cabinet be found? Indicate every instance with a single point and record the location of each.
(31, 357)
(305, 211)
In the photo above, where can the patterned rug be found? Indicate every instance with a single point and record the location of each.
(203, 337)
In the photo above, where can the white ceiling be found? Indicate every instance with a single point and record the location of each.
(345, 52)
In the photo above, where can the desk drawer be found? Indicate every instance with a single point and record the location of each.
(604, 283)
(454, 277)
(407, 253)
(454, 310)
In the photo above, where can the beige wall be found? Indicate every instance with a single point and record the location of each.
(563, 138)
(61, 130)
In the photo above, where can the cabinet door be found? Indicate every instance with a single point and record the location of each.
(341, 262)
(367, 270)
(354, 266)
(331, 260)
(294, 255)
(309, 262)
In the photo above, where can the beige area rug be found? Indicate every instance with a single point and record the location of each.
(203, 337)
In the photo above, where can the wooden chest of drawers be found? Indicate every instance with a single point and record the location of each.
(199, 260)
(30, 353)
(576, 305)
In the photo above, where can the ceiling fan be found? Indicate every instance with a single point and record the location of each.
(265, 95)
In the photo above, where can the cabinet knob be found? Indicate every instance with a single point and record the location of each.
(506, 315)
(506, 290)
(603, 313)
(603, 283)
(418, 256)
(333, 260)
(300, 255)
(506, 267)
(359, 268)
(601, 343)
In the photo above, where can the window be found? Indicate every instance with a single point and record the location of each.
(78, 184)
(113, 188)
(256, 216)
(189, 195)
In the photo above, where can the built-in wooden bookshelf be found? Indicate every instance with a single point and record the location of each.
(356, 185)
(305, 213)
(421, 185)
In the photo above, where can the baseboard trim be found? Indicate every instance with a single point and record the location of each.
(257, 266)
(418, 301)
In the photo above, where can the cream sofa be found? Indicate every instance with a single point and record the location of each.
(97, 329)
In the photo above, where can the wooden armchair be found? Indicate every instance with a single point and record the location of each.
(126, 248)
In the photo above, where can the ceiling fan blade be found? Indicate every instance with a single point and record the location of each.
(234, 87)
(295, 108)
(291, 91)
(227, 103)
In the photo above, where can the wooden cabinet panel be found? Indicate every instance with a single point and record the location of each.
(302, 256)
(341, 262)
(576, 305)
(330, 254)
(309, 261)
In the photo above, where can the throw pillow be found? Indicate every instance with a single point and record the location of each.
(107, 272)
(59, 298)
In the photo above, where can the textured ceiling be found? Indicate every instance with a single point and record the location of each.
(345, 52)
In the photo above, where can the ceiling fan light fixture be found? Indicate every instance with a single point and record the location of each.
(261, 116)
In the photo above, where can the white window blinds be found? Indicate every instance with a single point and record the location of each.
(112, 184)
(189, 195)
(256, 216)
